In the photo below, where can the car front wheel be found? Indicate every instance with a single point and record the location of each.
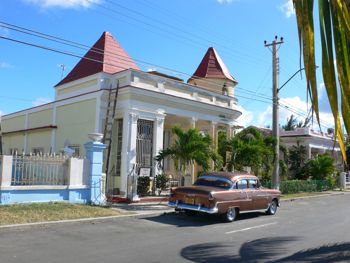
(231, 214)
(272, 208)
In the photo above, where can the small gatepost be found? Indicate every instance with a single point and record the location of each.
(94, 153)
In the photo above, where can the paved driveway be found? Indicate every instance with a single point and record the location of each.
(309, 230)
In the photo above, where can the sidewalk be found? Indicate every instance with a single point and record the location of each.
(144, 208)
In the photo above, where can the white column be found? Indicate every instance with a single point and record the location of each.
(193, 122)
(193, 168)
(158, 133)
(124, 168)
(98, 116)
(128, 158)
(228, 132)
(214, 133)
(308, 152)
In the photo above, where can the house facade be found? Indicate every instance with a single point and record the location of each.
(315, 142)
(149, 105)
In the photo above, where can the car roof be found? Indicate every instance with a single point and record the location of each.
(232, 176)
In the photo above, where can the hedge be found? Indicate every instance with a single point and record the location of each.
(297, 186)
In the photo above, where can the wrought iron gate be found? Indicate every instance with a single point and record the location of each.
(144, 145)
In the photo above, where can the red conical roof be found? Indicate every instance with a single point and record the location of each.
(212, 66)
(106, 55)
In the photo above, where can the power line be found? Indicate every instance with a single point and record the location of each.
(260, 97)
(95, 50)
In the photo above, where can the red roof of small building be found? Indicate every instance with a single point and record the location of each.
(106, 55)
(212, 66)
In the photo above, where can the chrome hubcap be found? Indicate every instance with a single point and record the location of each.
(231, 214)
(273, 207)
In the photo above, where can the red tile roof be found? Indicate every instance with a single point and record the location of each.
(106, 55)
(212, 66)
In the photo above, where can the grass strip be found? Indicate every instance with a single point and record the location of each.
(41, 212)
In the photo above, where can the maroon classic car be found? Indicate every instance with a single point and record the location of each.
(225, 194)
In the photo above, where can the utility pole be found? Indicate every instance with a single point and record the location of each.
(275, 44)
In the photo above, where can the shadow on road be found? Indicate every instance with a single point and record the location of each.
(265, 250)
(180, 219)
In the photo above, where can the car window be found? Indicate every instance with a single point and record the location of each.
(242, 184)
(253, 183)
(213, 182)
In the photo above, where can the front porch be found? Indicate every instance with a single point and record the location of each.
(136, 148)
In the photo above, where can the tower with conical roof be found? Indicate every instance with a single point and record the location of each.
(106, 55)
(212, 74)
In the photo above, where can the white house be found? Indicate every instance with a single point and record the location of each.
(149, 104)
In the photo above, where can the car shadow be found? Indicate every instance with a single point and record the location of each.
(264, 250)
(180, 219)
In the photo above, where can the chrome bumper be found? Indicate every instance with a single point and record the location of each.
(193, 207)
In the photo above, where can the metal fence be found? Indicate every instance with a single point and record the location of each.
(39, 170)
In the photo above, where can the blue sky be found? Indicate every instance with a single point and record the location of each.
(165, 34)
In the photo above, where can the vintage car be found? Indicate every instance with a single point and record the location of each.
(225, 194)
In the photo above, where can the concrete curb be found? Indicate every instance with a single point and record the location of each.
(315, 196)
(80, 219)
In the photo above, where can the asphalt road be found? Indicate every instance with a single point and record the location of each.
(308, 230)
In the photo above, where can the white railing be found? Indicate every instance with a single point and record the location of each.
(39, 170)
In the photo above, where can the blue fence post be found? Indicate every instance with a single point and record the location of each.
(94, 153)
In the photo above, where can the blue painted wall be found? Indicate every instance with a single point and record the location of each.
(48, 195)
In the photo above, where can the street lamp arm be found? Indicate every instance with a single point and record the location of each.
(290, 79)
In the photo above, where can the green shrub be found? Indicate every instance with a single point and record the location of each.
(332, 181)
(297, 186)
(143, 183)
(161, 182)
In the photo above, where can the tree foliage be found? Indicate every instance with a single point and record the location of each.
(320, 167)
(334, 21)
(251, 148)
(188, 148)
(297, 160)
(292, 123)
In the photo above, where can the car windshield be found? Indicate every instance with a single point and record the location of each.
(213, 182)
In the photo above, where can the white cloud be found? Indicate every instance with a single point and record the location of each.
(287, 8)
(63, 3)
(41, 101)
(297, 107)
(246, 118)
(5, 65)
(224, 1)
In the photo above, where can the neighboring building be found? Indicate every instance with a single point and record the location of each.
(149, 105)
(315, 143)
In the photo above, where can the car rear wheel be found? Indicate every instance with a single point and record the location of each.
(272, 208)
(231, 214)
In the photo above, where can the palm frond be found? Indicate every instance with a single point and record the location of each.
(334, 20)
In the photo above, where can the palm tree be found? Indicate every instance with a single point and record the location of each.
(291, 124)
(334, 21)
(188, 148)
(297, 160)
(320, 167)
